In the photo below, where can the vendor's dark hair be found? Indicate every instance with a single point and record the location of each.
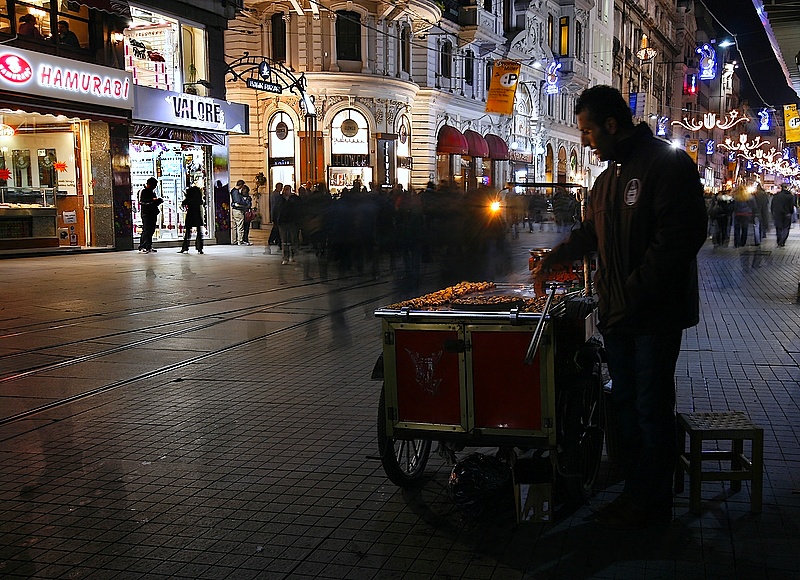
(602, 102)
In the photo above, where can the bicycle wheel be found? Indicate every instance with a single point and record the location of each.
(403, 460)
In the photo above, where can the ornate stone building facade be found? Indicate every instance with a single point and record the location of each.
(393, 84)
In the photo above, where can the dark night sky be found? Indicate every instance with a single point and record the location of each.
(739, 16)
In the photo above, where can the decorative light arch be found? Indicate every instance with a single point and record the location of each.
(710, 121)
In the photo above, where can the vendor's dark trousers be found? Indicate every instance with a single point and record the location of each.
(148, 229)
(642, 369)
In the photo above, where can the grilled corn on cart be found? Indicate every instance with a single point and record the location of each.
(485, 365)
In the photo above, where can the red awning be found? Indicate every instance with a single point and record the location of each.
(477, 144)
(450, 140)
(497, 147)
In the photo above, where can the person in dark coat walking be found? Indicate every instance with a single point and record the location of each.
(193, 204)
(762, 213)
(646, 218)
(783, 206)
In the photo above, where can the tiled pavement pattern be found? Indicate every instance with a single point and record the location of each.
(237, 438)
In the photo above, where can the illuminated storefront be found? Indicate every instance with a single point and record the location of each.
(182, 140)
(350, 159)
(63, 146)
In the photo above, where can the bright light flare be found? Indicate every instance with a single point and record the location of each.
(495, 206)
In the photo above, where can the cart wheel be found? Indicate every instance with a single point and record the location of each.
(582, 444)
(403, 460)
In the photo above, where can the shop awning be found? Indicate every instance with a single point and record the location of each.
(476, 143)
(498, 149)
(116, 7)
(451, 141)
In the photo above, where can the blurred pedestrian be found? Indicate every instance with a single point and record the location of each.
(762, 212)
(290, 215)
(193, 204)
(783, 207)
(149, 202)
(720, 214)
(275, 200)
(646, 218)
(744, 209)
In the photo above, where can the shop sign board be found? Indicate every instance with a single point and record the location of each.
(190, 111)
(262, 85)
(45, 75)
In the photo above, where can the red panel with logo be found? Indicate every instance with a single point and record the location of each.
(428, 378)
(506, 391)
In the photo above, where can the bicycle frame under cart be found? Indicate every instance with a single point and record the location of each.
(493, 365)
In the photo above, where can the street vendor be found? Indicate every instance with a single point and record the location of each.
(646, 219)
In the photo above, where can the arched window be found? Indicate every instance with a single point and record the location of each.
(405, 49)
(487, 5)
(349, 135)
(489, 67)
(278, 37)
(469, 68)
(446, 60)
(348, 35)
(281, 136)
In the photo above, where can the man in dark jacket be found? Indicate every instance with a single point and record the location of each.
(647, 220)
(782, 208)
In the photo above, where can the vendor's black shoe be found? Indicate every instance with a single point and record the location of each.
(632, 517)
(183, 251)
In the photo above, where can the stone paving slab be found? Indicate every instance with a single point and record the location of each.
(260, 461)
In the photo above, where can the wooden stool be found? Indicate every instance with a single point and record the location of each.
(733, 426)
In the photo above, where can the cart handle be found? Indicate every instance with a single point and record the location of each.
(539, 332)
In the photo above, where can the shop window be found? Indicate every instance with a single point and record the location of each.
(278, 37)
(446, 60)
(5, 20)
(405, 49)
(469, 68)
(38, 20)
(348, 35)
(164, 53)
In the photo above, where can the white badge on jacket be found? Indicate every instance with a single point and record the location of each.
(632, 191)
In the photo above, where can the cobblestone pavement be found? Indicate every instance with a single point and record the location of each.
(185, 416)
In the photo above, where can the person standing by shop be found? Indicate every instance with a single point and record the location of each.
(783, 207)
(646, 218)
(149, 202)
(238, 207)
(193, 204)
(247, 200)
